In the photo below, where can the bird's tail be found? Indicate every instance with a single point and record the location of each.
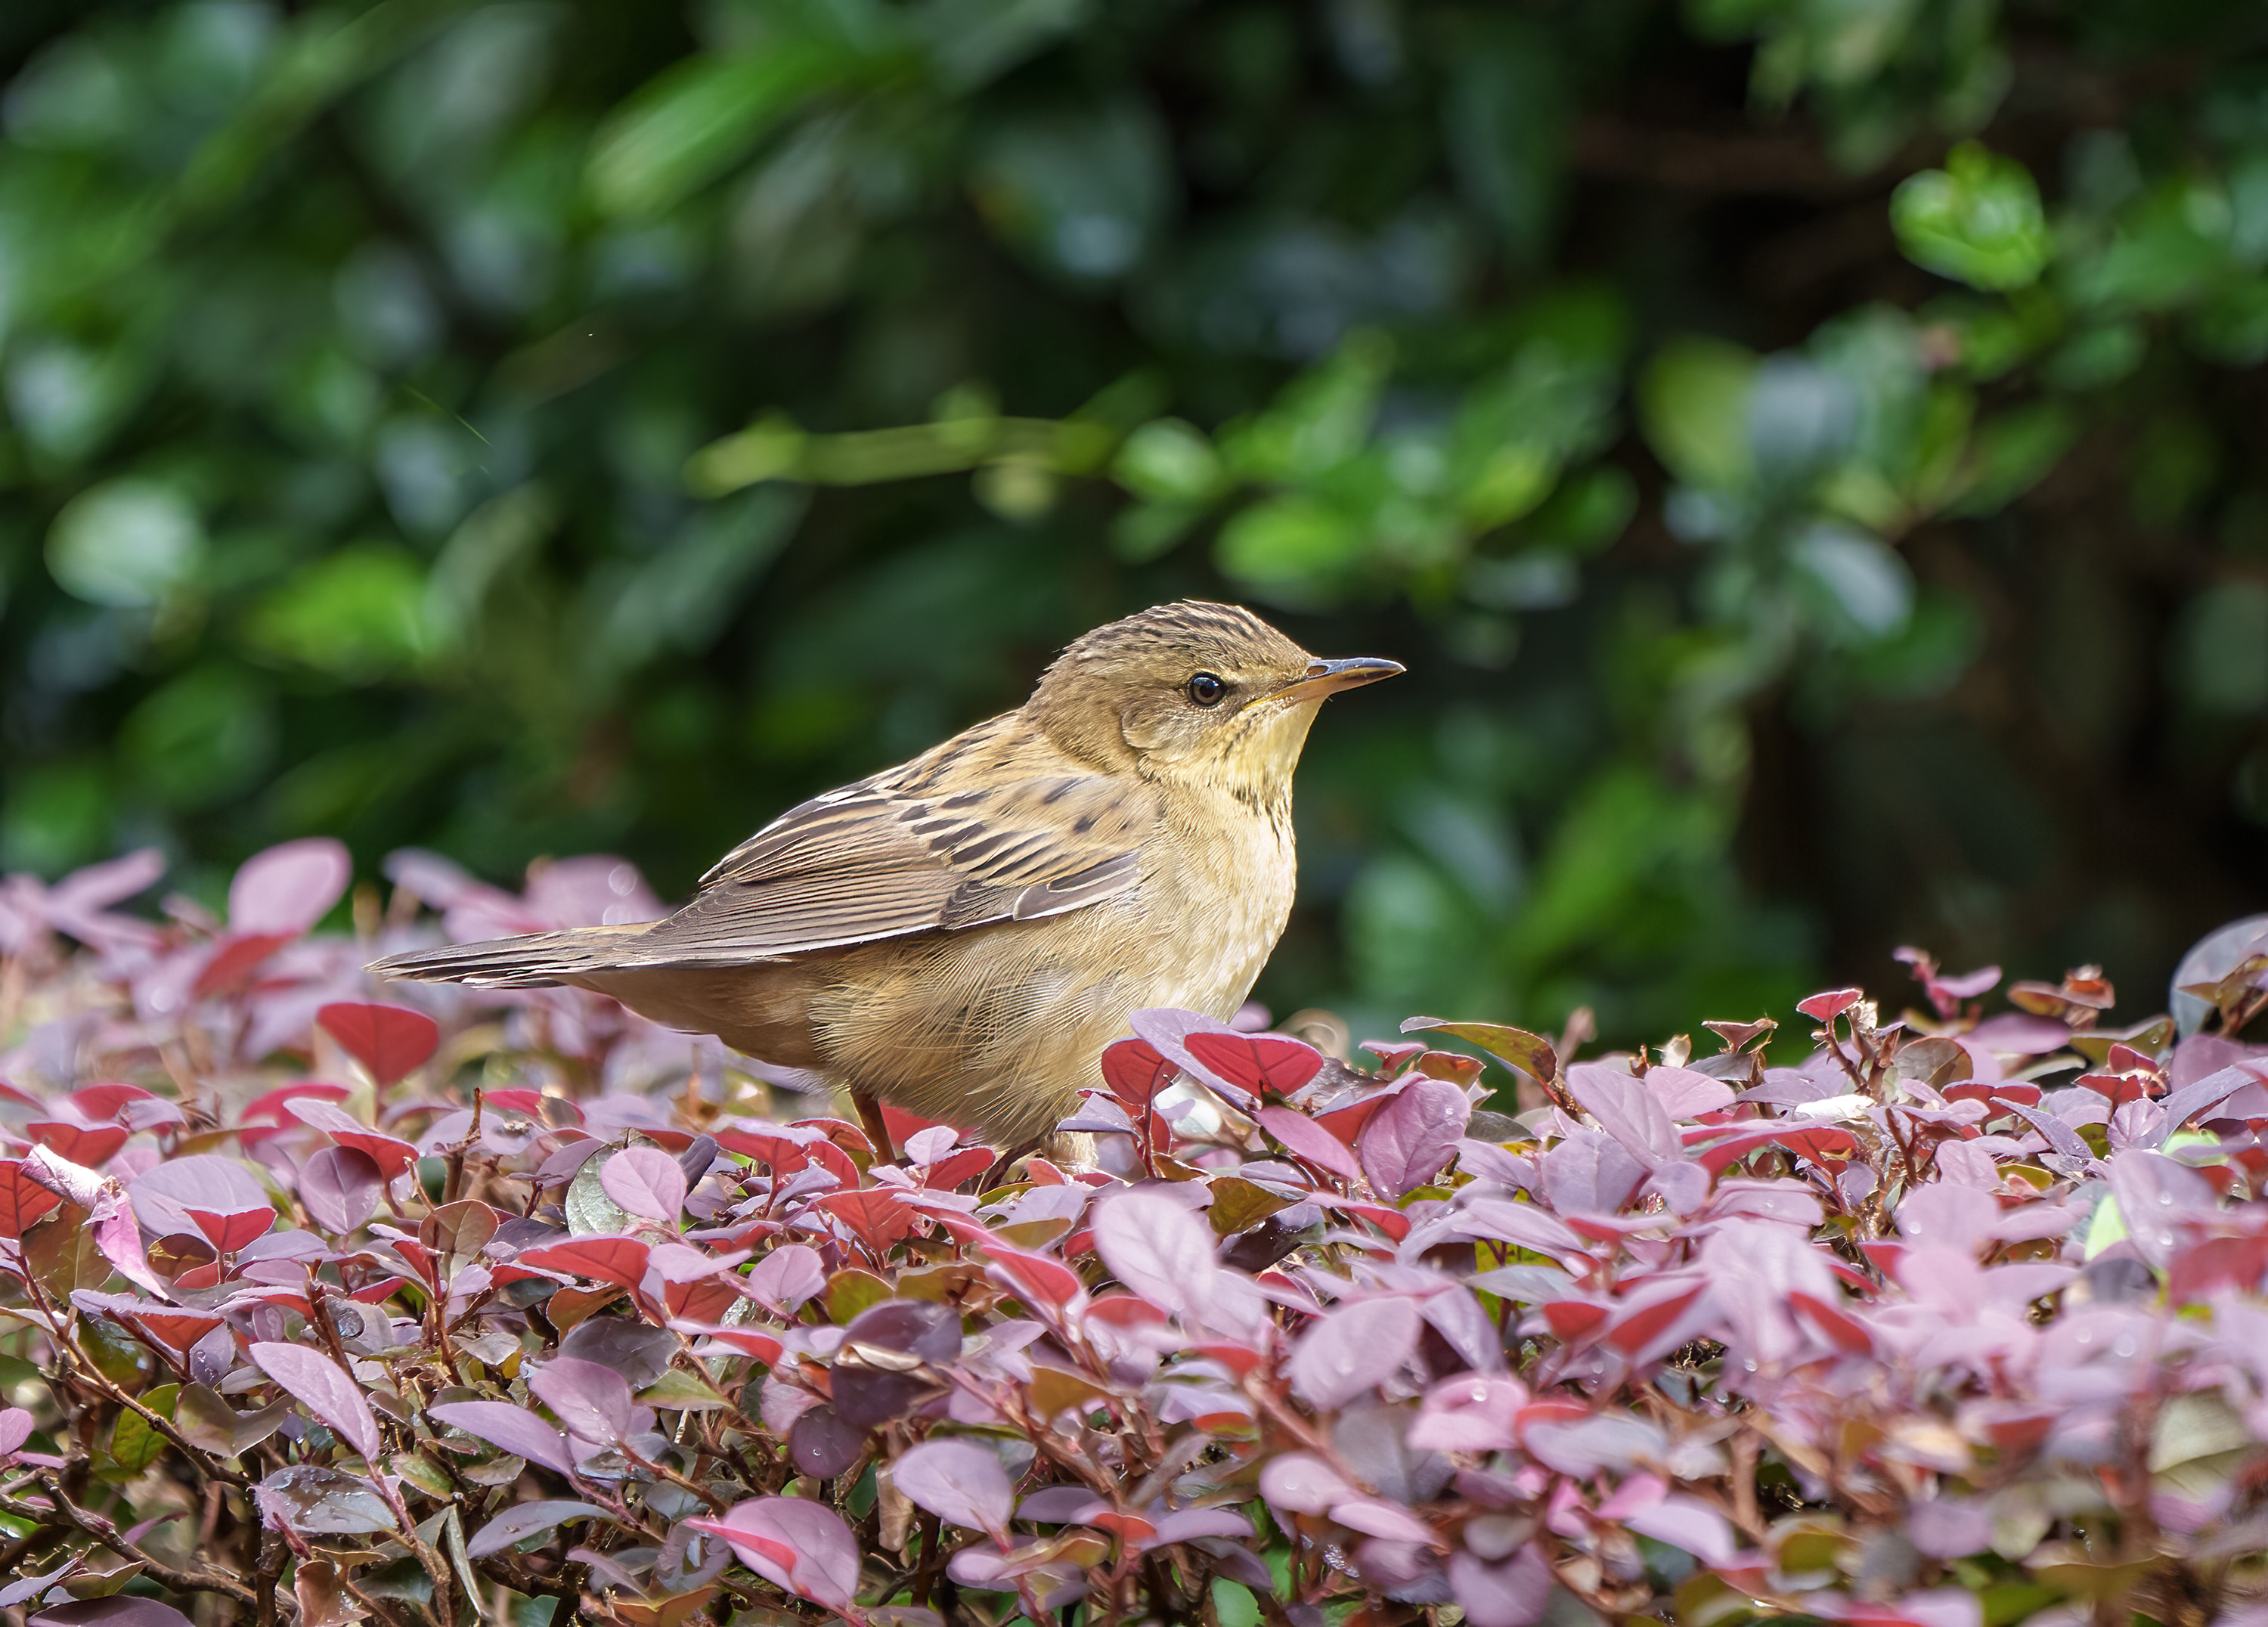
(540, 960)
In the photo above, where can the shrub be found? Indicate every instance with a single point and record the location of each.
(448, 1307)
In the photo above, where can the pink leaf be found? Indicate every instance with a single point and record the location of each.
(785, 1277)
(318, 1384)
(1305, 1138)
(645, 1180)
(960, 1484)
(794, 1544)
(15, 1430)
(290, 888)
(387, 1039)
(1303, 1483)
(515, 1429)
(1409, 1140)
(589, 1398)
(1157, 1248)
(1354, 1349)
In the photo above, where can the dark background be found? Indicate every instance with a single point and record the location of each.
(1785, 573)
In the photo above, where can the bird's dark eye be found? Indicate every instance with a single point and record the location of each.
(1205, 689)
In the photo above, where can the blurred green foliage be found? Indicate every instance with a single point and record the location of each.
(1807, 450)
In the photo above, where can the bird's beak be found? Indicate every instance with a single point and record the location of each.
(1327, 678)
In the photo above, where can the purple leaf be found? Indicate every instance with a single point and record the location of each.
(822, 1443)
(522, 1521)
(1510, 1594)
(515, 1429)
(339, 1188)
(320, 1385)
(1686, 1522)
(647, 1181)
(164, 1195)
(2153, 1193)
(118, 1610)
(793, 1543)
(1354, 1349)
(592, 1400)
(1374, 1516)
(288, 887)
(959, 1483)
(1406, 1143)
(15, 1430)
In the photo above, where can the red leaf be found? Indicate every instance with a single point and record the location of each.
(1035, 1276)
(904, 1126)
(1635, 1330)
(234, 961)
(1833, 1325)
(1136, 1073)
(391, 1156)
(1272, 1063)
(22, 1200)
(232, 1230)
(948, 1173)
(1828, 1006)
(1572, 1320)
(388, 1039)
(177, 1329)
(97, 1102)
(621, 1261)
(90, 1147)
(875, 1217)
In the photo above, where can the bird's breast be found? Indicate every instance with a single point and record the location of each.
(1217, 896)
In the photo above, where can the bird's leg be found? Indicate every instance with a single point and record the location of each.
(870, 1120)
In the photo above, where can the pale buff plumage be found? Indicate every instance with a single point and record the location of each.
(962, 935)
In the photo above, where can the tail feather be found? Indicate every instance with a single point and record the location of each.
(540, 960)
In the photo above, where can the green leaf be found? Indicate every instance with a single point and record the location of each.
(134, 1444)
(1167, 460)
(700, 118)
(1693, 407)
(1290, 545)
(357, 615)
(128, 543)
(1979, 220)
(201, 737)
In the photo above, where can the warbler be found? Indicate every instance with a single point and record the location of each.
(962, 935)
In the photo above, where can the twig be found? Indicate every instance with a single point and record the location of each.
(108, 1534)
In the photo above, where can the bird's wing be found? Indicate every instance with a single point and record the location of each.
(877, 860)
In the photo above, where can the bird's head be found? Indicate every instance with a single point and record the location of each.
(1196, 692)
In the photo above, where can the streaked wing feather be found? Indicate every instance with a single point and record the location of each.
(872, 861)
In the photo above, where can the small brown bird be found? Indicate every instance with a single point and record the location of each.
(962, 935)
